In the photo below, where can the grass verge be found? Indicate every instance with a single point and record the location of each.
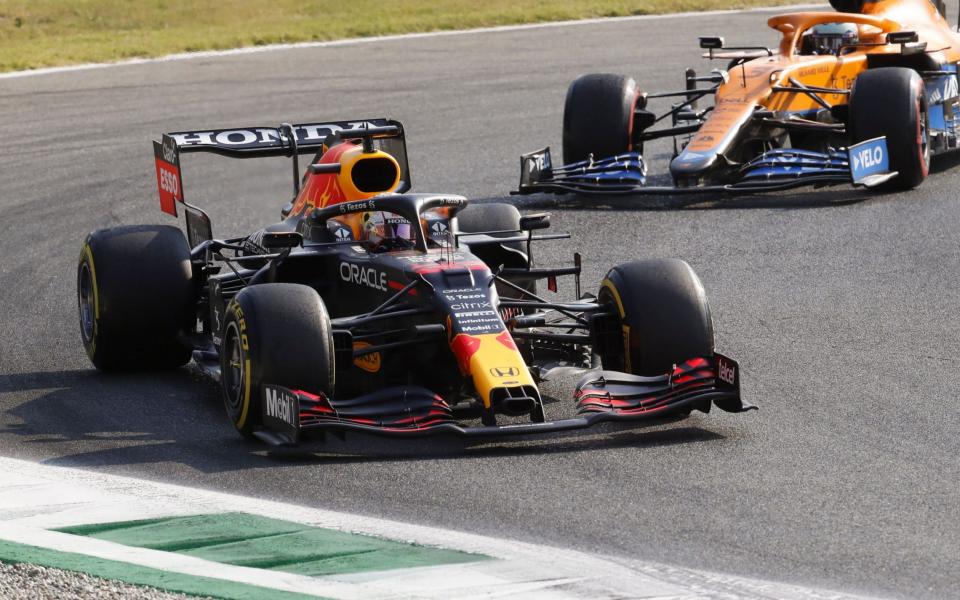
(45, 33)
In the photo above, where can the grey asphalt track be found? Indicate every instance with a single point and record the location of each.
(840, 306)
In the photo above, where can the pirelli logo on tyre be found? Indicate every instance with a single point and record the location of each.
(241, 324)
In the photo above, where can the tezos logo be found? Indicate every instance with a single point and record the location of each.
(365, 276)
(726, 372)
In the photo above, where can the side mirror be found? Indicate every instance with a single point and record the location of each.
(534, 221)
(274, 240)
(711, 43)
(902, 37)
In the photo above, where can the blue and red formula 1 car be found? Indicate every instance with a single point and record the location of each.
(371, 309)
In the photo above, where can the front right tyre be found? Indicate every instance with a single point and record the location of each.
(598, 117)
(661, 317)
(892, 102)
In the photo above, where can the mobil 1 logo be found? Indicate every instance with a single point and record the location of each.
(281, 410)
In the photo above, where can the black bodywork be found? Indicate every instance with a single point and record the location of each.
(400, 316)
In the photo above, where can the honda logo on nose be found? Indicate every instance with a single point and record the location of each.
(504, 371)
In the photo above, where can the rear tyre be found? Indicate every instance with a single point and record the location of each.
(273, 333)
(892, 102)
(598, 116)
(135, 297)
(662, 313)
(497, 216)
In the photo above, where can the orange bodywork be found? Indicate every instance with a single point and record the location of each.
(751, 85)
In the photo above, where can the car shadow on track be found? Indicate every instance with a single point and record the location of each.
(85, 418)
(88, 419)
(944, 162)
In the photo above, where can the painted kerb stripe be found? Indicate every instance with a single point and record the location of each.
(11, 552)
(259, 542)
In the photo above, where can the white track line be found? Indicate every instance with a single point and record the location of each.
(35, 498)
(397, 37)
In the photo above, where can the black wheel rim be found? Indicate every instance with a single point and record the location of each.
(233, 370)
(924, 140)
(86, 302)
(618, 360)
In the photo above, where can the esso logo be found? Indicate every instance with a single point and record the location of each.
(168, 182)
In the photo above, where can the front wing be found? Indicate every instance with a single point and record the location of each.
(865, 164)
(291, 416)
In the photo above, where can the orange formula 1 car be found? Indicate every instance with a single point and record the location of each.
(862, 96)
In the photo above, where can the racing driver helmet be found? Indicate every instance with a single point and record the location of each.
(828, 38)
(387, 231)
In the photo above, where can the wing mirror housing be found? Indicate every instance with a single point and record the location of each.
(535, 221)
(902, 37)
(711, 43)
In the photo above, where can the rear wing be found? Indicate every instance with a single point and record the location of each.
(255, 142)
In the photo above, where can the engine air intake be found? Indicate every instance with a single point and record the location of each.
(375, 174)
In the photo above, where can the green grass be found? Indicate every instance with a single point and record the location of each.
(43, 33)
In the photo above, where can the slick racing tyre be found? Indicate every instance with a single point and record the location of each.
(662, 316)
(598, 116)
(892, 102)
(497, 216)
(273, 333)
(135, 297)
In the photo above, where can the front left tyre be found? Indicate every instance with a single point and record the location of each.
(273, 333)
(135, 297)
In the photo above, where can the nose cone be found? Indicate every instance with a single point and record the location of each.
(493, 362)
(690, 167)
